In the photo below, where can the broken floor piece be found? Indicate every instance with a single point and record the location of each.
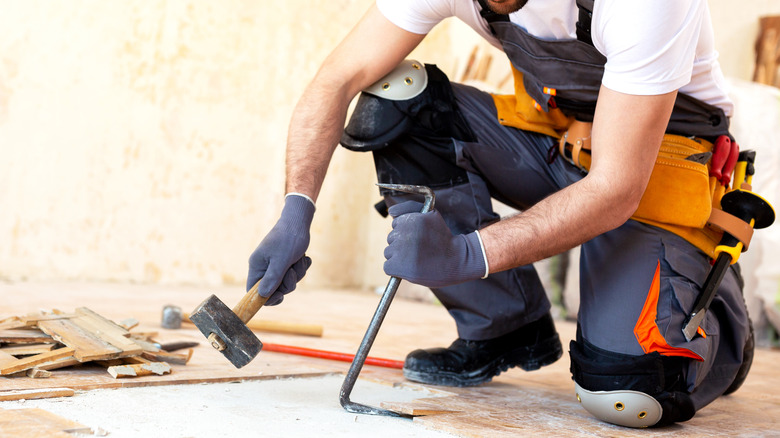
(30, 394)
(139, 369)
(34, 423)
(91, 336)
(37, 373)
(24, 336)
(33, 361)
(88, 337)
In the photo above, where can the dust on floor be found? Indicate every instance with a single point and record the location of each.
(300, 407)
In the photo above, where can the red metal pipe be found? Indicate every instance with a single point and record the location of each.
(322, 354)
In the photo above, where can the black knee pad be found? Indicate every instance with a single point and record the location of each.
(377, 121)
(633, 391)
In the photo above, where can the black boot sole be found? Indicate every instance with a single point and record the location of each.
(529, 358)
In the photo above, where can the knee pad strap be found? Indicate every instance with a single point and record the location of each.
(413, 96)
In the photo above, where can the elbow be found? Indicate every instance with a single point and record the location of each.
(618, 203)
(625, 204)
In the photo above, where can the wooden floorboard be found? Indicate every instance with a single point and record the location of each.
(515, 404)
(34, 423)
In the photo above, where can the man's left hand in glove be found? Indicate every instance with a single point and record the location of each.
(423, 250)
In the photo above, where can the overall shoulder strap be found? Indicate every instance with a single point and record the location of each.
(490, 16)
(583, 23)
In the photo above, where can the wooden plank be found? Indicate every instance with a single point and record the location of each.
(136, 360)
(140, 369)
(15, 424)
(107, 330)
(37, 373)
(109, 362)
(12, 322)
(27, 349)
(59, 363)
(33, 394)
(129, 323)
(6, 358)
(19, 336)
(41, 417)
(146, 345)
(86, 345)
(767, 68)
(32, 319)
(145, 336)
(164, 356)
(32, 361)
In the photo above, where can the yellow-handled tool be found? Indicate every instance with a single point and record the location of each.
(750, 208)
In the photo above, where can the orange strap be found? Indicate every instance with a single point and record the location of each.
(732, 225)
(647, 332)
(575, 140)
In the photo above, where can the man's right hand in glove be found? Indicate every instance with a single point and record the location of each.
(279, 259)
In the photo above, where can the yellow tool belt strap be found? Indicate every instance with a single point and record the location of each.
(519, 111)
(680, 197)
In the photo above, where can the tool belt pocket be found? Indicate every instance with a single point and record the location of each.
(679, 191)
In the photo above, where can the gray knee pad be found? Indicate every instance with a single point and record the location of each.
(632, 391)
(413, 96)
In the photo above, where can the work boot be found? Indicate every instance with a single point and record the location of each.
(469, 363)
(747, 360)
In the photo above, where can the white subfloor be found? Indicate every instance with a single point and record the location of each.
(300, 407)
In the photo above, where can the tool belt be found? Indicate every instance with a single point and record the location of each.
(681, 196)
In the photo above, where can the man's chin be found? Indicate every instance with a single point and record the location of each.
(505, 6)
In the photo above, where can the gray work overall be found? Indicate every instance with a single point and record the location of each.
(483, 160)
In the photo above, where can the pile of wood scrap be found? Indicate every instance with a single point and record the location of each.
(35, 344)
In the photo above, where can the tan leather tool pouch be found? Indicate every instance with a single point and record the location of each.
(680, 195)
(679, 190)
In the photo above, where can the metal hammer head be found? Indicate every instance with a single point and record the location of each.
(171, 317)
(226, 331)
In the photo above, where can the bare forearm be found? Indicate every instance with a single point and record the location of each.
(314, 132)
(627, 134)
(318, 120)
(560, 222)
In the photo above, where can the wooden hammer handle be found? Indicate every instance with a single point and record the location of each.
(290, 328)
(250, 304)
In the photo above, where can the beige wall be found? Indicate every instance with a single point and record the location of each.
(736, 30)
(144, 140)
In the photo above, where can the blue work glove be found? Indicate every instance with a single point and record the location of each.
(279, 259)
(422, 249)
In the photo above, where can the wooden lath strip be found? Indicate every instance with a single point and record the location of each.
(12, 322)
(28, 349)
(32, 319)
(6, 358)
(23, 336)
(32, 361)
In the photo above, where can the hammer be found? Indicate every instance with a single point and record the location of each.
(226, 329)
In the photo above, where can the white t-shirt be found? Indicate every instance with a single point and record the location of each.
(652, 46)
